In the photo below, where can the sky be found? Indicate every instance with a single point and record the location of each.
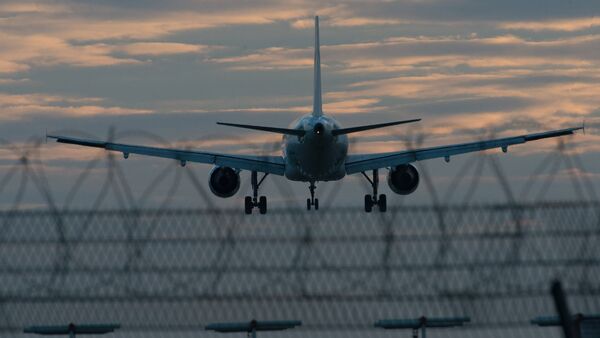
(163, 72)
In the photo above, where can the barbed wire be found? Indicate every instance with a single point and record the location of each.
(156, 267)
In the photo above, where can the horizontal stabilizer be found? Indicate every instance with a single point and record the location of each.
(368, 127)
(297, 132)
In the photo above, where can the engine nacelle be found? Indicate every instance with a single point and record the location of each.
(224, 181)
(403, 179)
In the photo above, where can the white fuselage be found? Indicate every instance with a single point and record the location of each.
(318, 155)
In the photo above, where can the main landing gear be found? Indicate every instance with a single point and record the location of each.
(255, 201)
(372, 200)
(312, 201)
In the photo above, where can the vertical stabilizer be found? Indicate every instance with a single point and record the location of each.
(317, 103)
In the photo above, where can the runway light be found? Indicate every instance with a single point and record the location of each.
(421, 323)
(72, 329)
(253, 326)
(584, 325)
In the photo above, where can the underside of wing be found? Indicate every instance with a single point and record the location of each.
(363, 162)
(265, 164)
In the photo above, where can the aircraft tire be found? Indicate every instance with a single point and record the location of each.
(382, 203)
(262, 205)
(368, 203)
(308, 204)
(316, 204)
(248, 205)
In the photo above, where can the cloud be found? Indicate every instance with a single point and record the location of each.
(12, 67)
(272, 58)
(160, 48)
(11, 8)
(346, 19)
(84, 35)
(448, 79)
(565, 25)
(401, 54)
(21, 53)
(16, 107)
(95, 22)
(10, 81)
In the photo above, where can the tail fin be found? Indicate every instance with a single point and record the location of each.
(317, 103)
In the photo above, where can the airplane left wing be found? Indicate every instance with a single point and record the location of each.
(360, 163)
(265, 164)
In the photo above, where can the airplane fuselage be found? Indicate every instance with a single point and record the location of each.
(318, 155)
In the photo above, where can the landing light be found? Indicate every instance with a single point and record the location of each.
(319, 129)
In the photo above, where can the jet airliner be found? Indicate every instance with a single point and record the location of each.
(315, 149)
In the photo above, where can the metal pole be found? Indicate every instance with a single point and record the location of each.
(254, 179)
(375, 183)
(560, 302)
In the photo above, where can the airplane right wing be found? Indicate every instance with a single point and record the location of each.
(363, 162)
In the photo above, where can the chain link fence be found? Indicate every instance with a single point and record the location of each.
(165, 271)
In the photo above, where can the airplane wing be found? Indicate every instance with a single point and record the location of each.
(265, 164)
(363, 162)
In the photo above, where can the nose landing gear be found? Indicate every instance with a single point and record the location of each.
(312, 201)
(254, 201)
(374, 200)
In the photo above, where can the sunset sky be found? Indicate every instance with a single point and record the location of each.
(163, 72)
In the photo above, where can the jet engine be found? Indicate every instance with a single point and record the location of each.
(403, 179)
(224, 181)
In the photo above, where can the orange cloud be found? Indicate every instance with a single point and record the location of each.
(149, 26)
(12, 67)
(424, 53)
(32, 7)
(274, 58)
(42, 35)
(567, 25)
(160, 48)
(14, 107)
(21, 53)
(337, 21)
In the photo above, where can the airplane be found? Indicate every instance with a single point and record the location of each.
(315, 149)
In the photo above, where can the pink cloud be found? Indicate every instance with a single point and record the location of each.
(566, 25)
(160, 48)
(15, 107)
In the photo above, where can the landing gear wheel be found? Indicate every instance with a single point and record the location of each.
(382, 203)
(253, 201)
(262, 205)
(368, 203)
(372, 200)
(312, 201)
(248, 205)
